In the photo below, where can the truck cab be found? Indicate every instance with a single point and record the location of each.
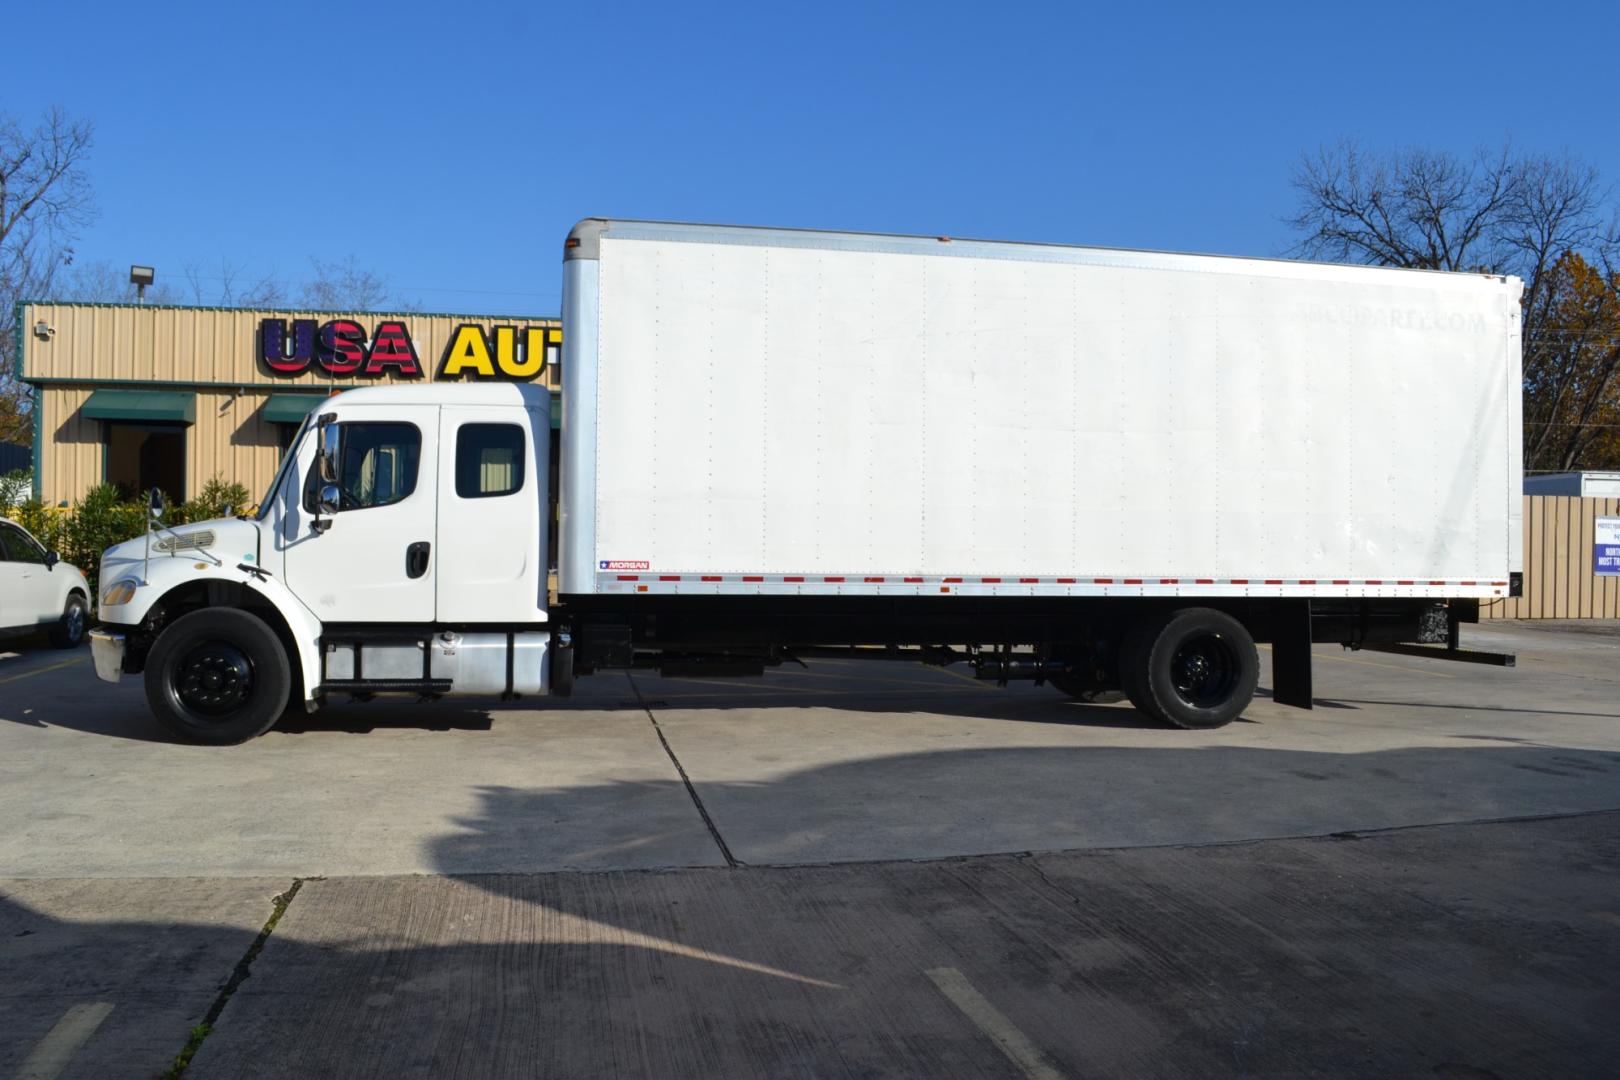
(401, 547)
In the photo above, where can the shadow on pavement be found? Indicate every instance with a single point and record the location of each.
(1468, 951)
(76, 700)
(947, 803)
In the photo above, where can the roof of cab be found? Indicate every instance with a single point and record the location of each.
(448, 393)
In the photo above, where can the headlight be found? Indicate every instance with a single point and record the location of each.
(122, 592)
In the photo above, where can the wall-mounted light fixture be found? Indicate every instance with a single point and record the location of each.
(44, 330)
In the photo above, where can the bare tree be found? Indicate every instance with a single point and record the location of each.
(1540, 218)
(45, 200)
(1413, 208)
(103, 282)
(345, 286)
(233, 286)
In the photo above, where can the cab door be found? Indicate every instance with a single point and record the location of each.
(492, 497)
(374, 560)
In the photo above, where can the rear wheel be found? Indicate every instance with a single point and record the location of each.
(1133, 660)
(1194, 668)
(68, 633)
(218, 676)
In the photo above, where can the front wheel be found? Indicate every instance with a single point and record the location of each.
(218, 676)
(1194, 668)
(68, 632)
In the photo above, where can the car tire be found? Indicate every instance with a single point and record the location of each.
(218, 676)
(1193, 668)
(69, 630)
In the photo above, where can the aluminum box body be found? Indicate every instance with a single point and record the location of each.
(754, 411)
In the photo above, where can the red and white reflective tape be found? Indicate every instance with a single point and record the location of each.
(870, 579)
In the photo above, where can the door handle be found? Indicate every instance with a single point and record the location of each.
(416, 559)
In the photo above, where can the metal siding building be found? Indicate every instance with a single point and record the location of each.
(125, 393)
(1589, 485)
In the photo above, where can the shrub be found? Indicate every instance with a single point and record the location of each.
(14, 488)
(216, 498)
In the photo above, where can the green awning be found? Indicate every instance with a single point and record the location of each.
(290, 408)
(148, 406)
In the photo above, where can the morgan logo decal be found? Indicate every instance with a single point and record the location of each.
(625, 564)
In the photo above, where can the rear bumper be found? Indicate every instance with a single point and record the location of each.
(107, 650)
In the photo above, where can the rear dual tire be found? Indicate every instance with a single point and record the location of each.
(1193, 668)
(218, 676)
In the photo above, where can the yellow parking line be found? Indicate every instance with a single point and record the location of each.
(52, 1054)
(993, 1022)
(980, 683)
(43, 670)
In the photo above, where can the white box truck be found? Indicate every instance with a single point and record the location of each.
(1111, 471)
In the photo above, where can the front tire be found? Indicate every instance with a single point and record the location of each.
(1194, 668)
(218, 676)
(68, 633)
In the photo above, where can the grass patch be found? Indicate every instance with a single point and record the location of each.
(239, 975)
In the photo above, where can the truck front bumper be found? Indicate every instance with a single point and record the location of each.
(107, 650)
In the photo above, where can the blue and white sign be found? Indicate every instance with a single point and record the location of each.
(1606, 546)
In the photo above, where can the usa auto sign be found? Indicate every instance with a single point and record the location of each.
(343, 348)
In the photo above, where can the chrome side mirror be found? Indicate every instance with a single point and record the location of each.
(331, 448)
(323, 478)
(154, 505)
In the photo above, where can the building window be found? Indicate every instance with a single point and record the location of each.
(489, 460)
(285, 434)
(141, 457)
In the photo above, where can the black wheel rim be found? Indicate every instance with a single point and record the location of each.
(1204, 670)
(213, 680)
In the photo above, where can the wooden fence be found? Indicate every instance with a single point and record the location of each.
(1558, 578)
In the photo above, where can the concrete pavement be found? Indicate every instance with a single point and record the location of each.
(846, 761)
(137, 875)
(1453, 951)
(104, 978)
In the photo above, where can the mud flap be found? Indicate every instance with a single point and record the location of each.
(1291, 653)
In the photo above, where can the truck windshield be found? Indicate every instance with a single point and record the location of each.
(286, 467)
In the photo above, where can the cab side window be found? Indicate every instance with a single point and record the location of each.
(376, 466)
(489, 460)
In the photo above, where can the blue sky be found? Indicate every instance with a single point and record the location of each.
(452, 146)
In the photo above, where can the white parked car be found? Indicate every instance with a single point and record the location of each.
(38, 591)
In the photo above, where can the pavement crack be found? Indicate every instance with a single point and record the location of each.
(278, 907)
(1034, 863)
(703, 811)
